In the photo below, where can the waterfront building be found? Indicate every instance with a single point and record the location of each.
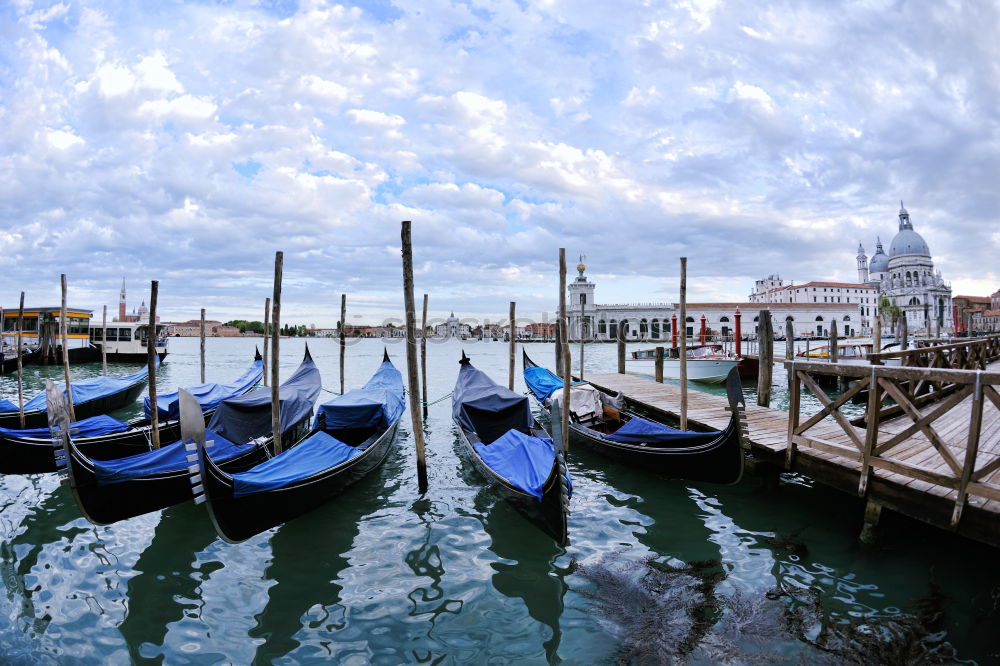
(452, 328)
(656, 321)
(192, 329)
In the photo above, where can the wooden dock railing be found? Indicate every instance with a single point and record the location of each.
(944, 444)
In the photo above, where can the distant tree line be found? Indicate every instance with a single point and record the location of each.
(288, 330)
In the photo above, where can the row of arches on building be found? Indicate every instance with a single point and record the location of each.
(654, 329)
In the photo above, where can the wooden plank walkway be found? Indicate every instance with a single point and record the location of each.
(768, 432)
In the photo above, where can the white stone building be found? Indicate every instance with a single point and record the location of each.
(452, 328)
(656, 321)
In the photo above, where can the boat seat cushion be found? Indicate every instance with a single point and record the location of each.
(637, 431)
(521, 459)
(318, 452)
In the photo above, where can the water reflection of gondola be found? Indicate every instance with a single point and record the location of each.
(308, 555)
(43, 524)
(528, 569)
(165, 571)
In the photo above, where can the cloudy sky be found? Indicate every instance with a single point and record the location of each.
(186, 142)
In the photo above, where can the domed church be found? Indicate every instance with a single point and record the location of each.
(906, 276)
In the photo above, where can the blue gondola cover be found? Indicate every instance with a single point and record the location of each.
(523, 460)
(378, 403)
(317, 453)
(638, 430)
(208, 395)
(92, 427)
(475, 393)
(542, 382)
(90, 389)
(7, 406)
(243, 418)
(164, 460)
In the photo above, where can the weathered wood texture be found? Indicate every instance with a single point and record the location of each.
(939, 464)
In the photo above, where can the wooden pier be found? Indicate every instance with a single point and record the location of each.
(938, 462)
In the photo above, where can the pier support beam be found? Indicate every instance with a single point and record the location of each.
(869, 531)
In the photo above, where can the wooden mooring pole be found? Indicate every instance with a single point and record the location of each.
(20, 361)
(765, 353)
(658, 365)
(151, 359)
(423, 356)
(513, 347)
(104, 342)
(834, 342)
(622, 330)
(411, 356)
(63, 325)
(559, 337)
(201, 354)
(564, 328)
(279, 260)
(343, 338)
(877, 336)
(583, 319)
(683, 347)
(267, 334)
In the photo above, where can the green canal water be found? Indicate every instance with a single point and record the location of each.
(656, 571)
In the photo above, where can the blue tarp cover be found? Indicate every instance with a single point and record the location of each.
(477, 398)
(523, 460)
(638, 430)
(86, 390)
(248, 416)
(315, 454)
(164, 460)
(92, 427)
(208, 395)
(542, 382)
(378, 403)
(7, 406)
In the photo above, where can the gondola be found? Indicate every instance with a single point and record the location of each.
(111, 490)
(599, 420)
(351, 436)
(91, 397)
(511, 450)
(104, 438)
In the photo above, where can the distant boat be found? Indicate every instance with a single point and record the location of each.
(111, 490)
(600, 420)
(126, 341)
(102, 437)
(705, 363)
(351, 437)
(511, 450)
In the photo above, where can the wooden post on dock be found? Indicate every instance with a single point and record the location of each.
(564, 327)
(739, 333)
(104, 342)
(583, 307)
(789, 341)
(201, 354)
(765, 353)
(683, 349)
(20, 361)
(904, 344)
(513, 347)
(621, 347)
(63, 326)
(423, 354)
(877, 337)
(559, 337)
(658, 365)
(343, 338)
(151, 359)
(834, 341)
(416, 419)
(869, 532)
(267, 334)
(279, 260)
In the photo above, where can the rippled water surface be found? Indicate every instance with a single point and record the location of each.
(384, 575)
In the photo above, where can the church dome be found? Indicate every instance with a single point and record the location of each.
(908, 241)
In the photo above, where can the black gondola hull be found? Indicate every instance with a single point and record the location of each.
(550, 514)
(239, 518)
(82, 410)
(110, 503)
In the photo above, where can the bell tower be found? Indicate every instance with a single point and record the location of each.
(862, 265)
(121, 303)
(581, 302)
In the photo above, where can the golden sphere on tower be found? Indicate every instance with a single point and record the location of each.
(580, 267)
